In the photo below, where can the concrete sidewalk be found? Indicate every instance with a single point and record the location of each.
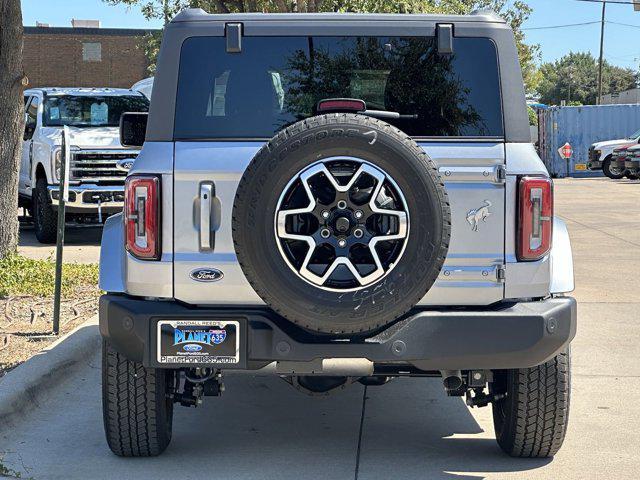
(408, 429)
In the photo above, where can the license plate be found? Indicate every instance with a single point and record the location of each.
(198, 341)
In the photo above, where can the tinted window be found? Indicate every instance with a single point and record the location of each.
(90, 111)
(32, 112)
(276, 81)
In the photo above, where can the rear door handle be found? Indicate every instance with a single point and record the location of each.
(206, 198)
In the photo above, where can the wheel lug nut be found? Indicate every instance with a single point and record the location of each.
(358, 233)
(342, 242)
(359, 214)
(342, 204)
(325, 214)
(325, 233)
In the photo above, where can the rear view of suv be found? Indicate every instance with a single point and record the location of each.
(335, 198)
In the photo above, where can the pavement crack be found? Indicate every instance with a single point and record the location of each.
(364, 406)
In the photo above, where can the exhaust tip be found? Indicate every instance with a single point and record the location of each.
(452, 383)
(451, 380)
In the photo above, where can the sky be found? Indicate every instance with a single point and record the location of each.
(622, 43)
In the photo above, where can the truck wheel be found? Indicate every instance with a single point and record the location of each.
(611, 172)
(45, 218)
(136, 406)
(531, 420)
(341, 223)
(632, 176)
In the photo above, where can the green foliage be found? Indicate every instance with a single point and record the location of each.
(443, 96)
(23, 276)
(516, 13)
(574, 78)
(533, 117)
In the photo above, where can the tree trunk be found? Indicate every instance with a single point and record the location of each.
(11, 120)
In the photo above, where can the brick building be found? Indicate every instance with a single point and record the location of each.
(84, 57)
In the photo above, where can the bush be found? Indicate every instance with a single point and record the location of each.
(533, 117)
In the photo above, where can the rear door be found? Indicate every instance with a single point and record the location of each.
(231, 103)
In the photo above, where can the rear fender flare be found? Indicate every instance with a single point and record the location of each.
(112, 256)
(562, 280)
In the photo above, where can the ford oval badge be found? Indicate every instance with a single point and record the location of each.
(125, 164)
(192, 347)
(206, 274)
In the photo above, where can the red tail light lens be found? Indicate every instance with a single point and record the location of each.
(341, 104)
(142, 216)
(535, 218)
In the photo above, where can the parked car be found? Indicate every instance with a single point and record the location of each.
(331, 199)
(601, 154)
(144, 86)
(632, 162)
(98, 163)
(619, 159)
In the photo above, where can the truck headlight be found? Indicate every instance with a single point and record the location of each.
(57, 162)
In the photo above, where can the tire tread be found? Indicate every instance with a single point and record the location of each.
(132, 406)
(538, 410)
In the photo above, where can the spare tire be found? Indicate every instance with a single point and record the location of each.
(341, 223)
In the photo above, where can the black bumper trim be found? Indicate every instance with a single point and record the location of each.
(517, 335)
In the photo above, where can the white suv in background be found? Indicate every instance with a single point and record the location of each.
(99, 163)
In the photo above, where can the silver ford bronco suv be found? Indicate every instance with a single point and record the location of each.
(336, 198)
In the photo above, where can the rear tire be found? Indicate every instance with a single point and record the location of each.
(531, 421)
(45, 218)
(137, 410)
(606, 168)
(632, 176)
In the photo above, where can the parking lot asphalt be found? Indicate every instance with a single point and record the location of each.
(82, 244)
(408, 429)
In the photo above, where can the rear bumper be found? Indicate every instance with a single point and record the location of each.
(619, 164)
(632, 165)
(508, 336)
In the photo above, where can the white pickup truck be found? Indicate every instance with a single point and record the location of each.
(601, 154)
(98, 163)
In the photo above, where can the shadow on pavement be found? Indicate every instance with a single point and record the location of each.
(412, 430)
(261, 428)
(73, 236)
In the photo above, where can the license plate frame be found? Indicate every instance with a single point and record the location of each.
(213, 342)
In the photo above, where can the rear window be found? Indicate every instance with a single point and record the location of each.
(276, 81)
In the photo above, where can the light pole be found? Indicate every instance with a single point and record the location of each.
(604, 12)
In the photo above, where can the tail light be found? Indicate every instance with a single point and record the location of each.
(535, 218)
(341, 104)
(142, 216)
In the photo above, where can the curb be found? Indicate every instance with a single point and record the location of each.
(26, 386)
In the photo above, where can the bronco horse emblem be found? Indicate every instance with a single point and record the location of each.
(474, 216)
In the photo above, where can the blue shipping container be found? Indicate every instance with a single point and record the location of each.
(581, 127)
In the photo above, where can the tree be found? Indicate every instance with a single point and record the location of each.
(516, 13)
(12, 81)
(574, 78)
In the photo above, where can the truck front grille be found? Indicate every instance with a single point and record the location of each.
(99, 165)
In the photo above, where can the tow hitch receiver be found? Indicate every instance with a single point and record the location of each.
(197, 383)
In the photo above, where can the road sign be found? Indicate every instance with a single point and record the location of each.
(566, 151)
